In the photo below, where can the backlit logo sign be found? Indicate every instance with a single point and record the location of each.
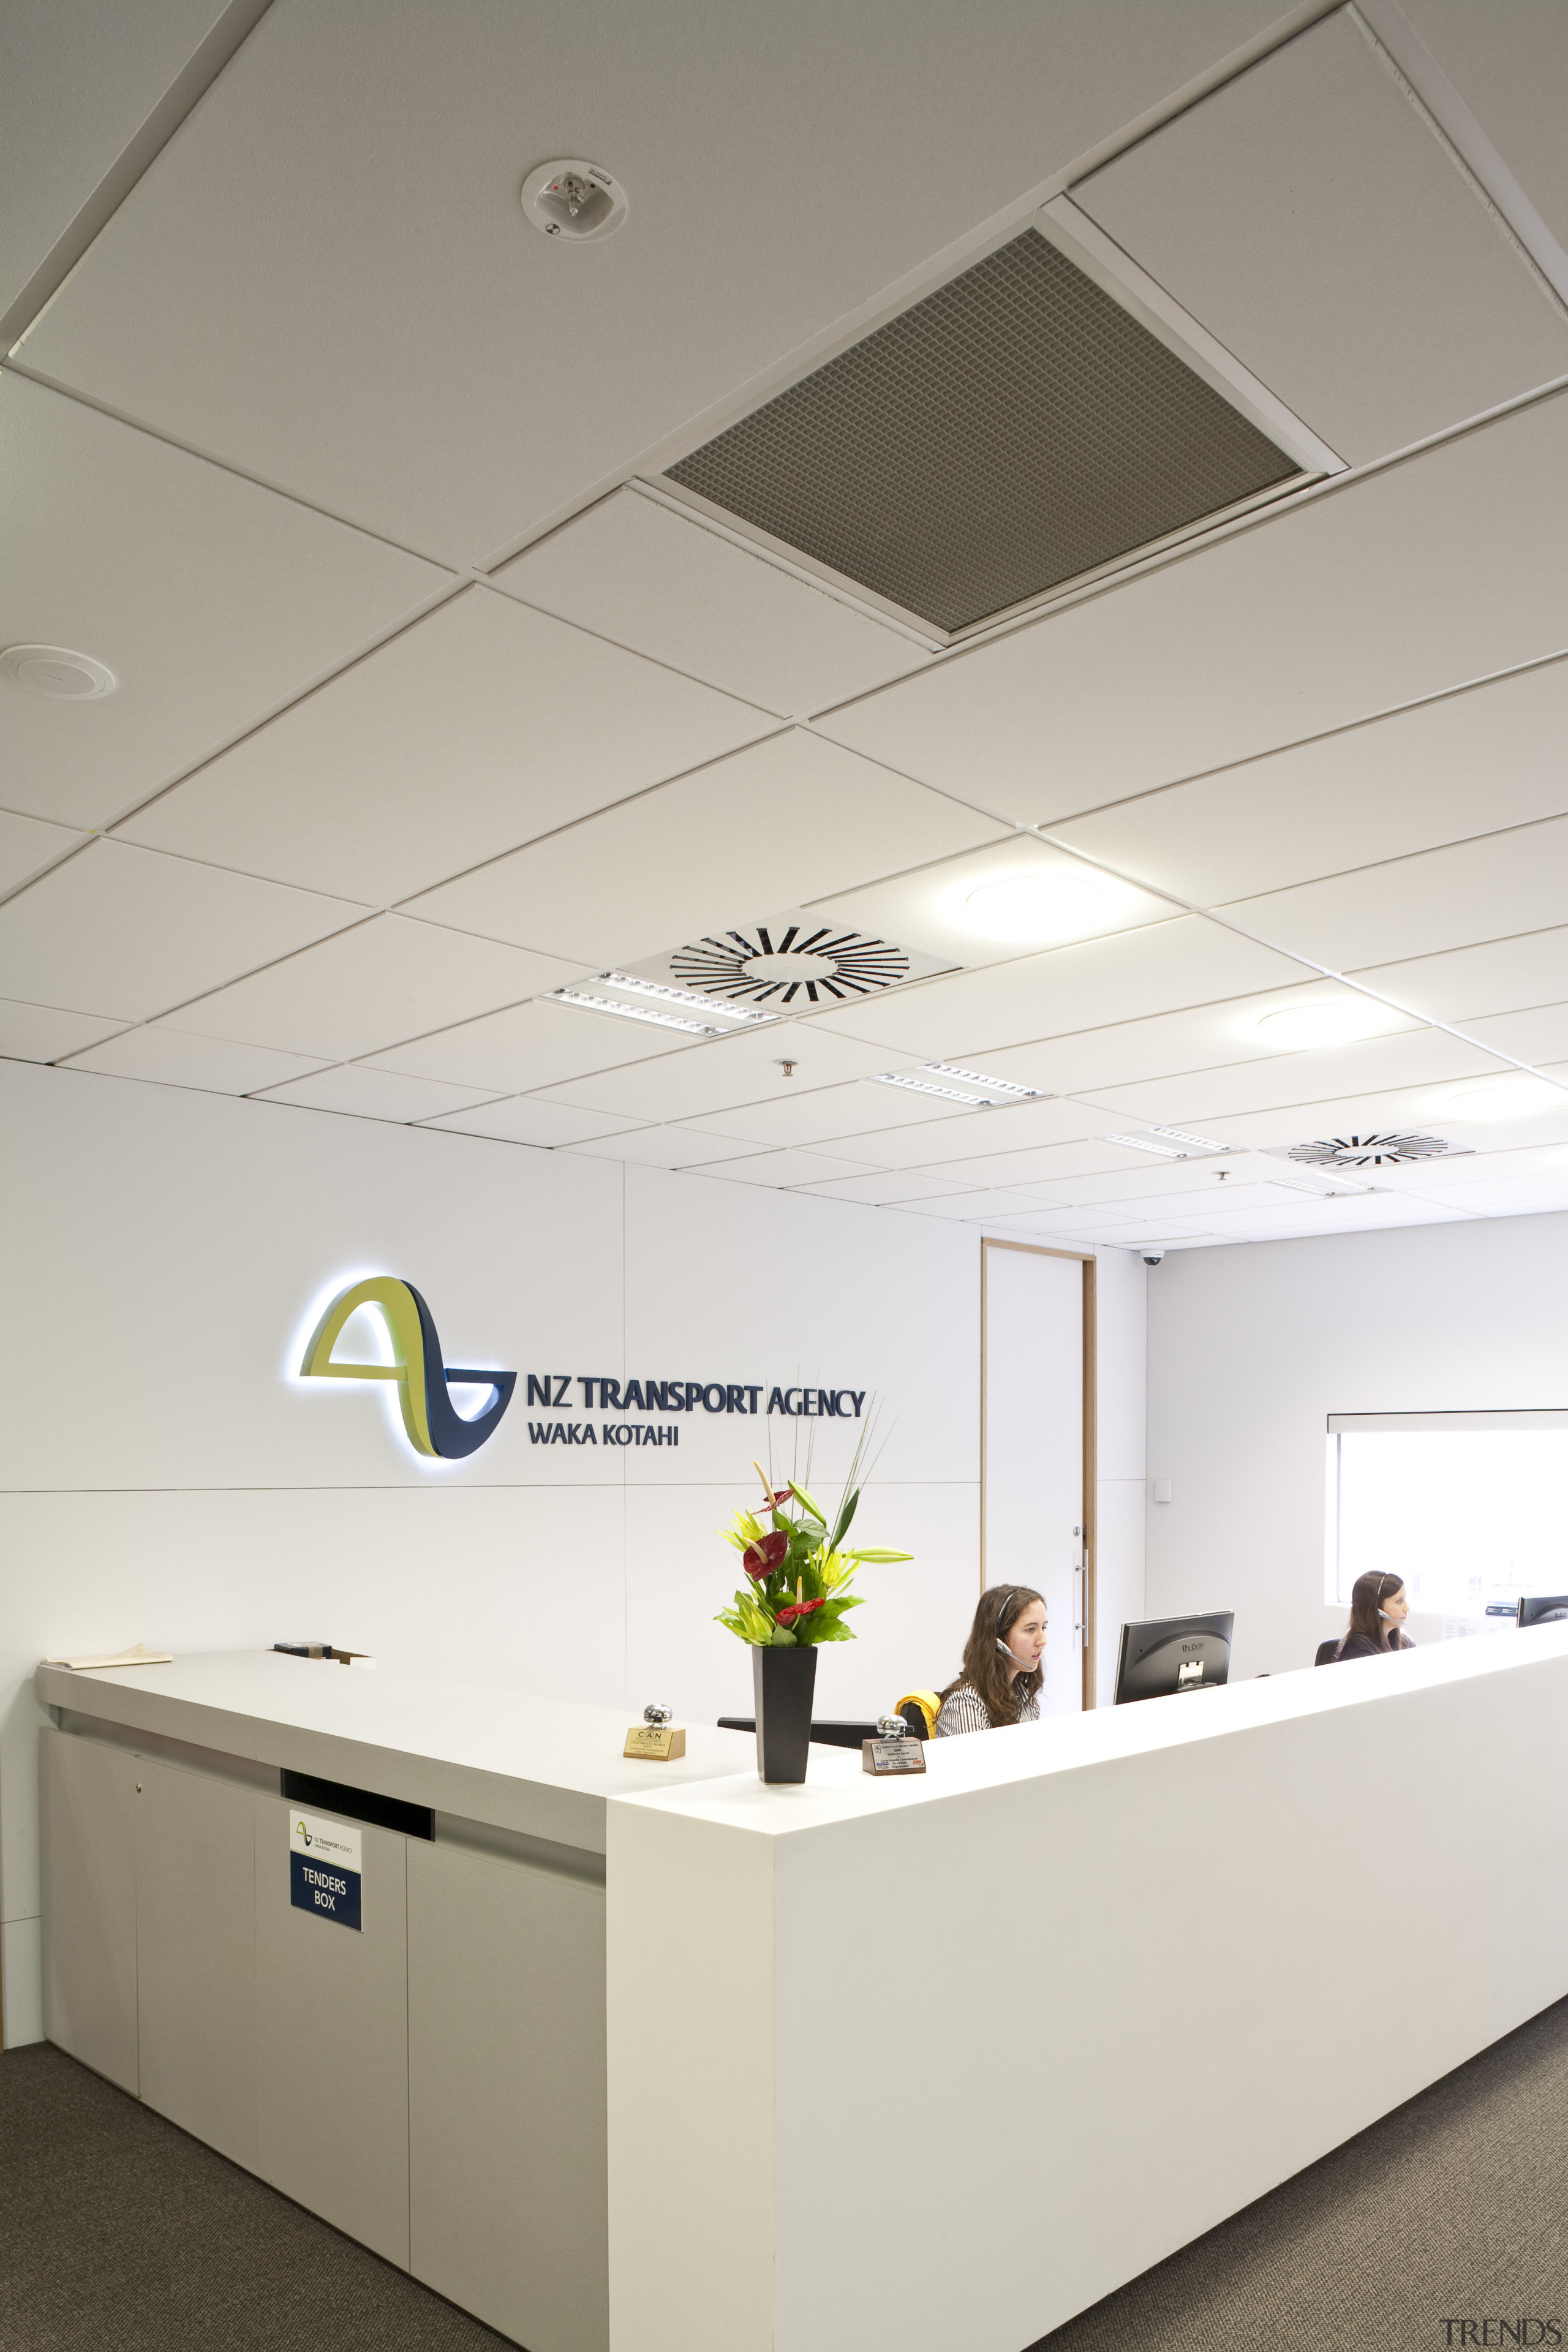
(433, 1422)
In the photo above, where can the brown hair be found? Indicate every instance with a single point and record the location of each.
(985, 1670)
(1368, 1594)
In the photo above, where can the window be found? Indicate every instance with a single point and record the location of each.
(1467, 1508)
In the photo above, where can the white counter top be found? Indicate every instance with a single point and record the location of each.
(542, 1767)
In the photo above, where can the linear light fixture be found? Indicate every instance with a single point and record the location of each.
(992, 1086)
(737, 1012)
(591, 1004)
(1147, 1143)
(924, 1086)
(1180, 1135)
(1168, 1142)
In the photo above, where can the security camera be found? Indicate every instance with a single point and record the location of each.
(1152, 1256)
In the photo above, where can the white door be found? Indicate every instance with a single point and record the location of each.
(1032, 1441)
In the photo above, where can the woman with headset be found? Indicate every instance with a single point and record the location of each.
(1378, 1610)
(1002, 1673)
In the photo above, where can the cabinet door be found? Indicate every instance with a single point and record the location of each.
(87, 1794)
(506, 2094)
(195, 1945)
(332, 2042)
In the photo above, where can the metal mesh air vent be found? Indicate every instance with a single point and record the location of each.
(1014, 429)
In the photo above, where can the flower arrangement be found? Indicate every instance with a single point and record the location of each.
(797, 1591)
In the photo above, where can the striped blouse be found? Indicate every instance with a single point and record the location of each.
(964, 1710)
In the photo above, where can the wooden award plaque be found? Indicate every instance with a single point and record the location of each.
(657, 1743)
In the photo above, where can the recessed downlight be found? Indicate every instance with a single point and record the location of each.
(1332, 1021)
(1059, 902)
(54, 670)
(1500, 1098)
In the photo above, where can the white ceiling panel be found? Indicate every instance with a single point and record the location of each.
(522, 1119)
(173, 1057)
(44, 1032)
(784, 822)
(27, 845)
(1469, 763)
(934, 1141)
(80, 79)
(728, 1071)
(1369, 1213)
(409, 352)
(1159, 969)
(1538, 1168)
(1503, 976)
(1420, 1110)
(1309, 217)
(1451, 898)
(119, 925)
(210, 599)
(1509, 62)
(1387, 589)
(999, 1212)
(653, 1146)
(372, 1094)
(1417, 1058)
(527, 1046)
(1046, 1168)
(634, 570)
(1540, 1036)
(929, 908)
(886, 1187)
(781, 1169)
(370, 987)
(483, 725)
(825, 1112)
(1209, 1036)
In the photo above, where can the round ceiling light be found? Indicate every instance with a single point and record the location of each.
(55, 671)
(1058, 902)
(1332, 1021)
(575, 199)
(1500, 1098)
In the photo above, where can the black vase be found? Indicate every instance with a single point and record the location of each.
(782, 1682)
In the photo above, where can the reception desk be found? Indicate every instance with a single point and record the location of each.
(649, 2055)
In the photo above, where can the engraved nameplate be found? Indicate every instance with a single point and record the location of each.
(658, 1742)
(892, 1755)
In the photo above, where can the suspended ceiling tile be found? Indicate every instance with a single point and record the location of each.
(1209, 1036)
(173, 1057)
(124, 927)
(372, 1094)
(653, 1146)
(1309, 217)
(1383, 790)
(727, 1072)
(44, 1032)
(930, 907)
(633, 570)
(1045, 1169)
(1158, 969)
(774, 825)
(1393, 586)
(781, 1169)
(884, 1187)
(1406, 1111)
(28, 845)
(522, 1119)
(1540, 1167)
(1510, 63)
(483, 725)
(527, 1046)
(410, 353)
(1417, 1058)
(211, 600)
(1538, 1036)
(79, 82)
(825, 1112)
(1450, 897)
(386, 979)
(1364, 1215)
(999, 1211)
(988, 1135)
(1503, 976)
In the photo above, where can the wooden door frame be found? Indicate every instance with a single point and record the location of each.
(1091, 1438)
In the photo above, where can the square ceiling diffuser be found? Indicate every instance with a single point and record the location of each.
(1015, 430)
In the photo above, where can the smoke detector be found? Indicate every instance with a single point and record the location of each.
(1366, 1150)
(55, 671)
(575, 199)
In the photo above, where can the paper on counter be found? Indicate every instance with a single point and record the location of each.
(139, 1656)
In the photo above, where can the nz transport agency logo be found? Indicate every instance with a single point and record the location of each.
(433, 1423)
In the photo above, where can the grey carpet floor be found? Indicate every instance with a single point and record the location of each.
(118, 2233)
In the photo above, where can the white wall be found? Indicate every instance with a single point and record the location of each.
(167, 1479)
(1251, 1348)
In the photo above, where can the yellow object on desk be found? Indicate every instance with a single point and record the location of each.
(139, 1656)
(654, 1736)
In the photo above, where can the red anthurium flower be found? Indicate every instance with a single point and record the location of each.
(761, 1558)
(797, 1609)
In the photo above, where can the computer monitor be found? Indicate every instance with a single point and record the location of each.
(1543, 1608)
(1167, 1655)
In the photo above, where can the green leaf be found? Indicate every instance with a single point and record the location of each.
(879, 1555)
(781, 1638)
(845, 1516)
(818, 1515)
